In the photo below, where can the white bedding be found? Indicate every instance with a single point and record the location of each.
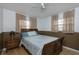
(35, 44)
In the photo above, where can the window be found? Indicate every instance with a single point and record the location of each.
(69, 21)
(22, 23)
(60, 24)
(27, 24)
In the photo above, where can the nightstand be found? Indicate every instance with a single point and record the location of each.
(10, 43)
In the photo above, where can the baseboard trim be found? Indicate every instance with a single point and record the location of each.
(71, 49)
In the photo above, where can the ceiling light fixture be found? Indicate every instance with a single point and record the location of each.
(43, 5)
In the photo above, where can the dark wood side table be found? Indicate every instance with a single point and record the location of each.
(10, 43)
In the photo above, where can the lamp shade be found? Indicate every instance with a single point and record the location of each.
(12, 33)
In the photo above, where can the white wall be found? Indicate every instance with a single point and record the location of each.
(76, 22)
(1, 18)
(44, 24)
(9, 20)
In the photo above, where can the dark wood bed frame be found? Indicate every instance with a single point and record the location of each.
(52, 48)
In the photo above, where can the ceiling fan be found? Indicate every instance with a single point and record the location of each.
(43, 7)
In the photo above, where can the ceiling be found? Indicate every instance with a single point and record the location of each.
(34, 9)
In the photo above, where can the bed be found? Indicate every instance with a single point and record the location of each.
(38, 44)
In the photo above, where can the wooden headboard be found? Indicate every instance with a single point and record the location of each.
(26, 30)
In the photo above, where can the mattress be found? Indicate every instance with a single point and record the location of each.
(35, 43)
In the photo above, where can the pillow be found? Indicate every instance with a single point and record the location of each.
(23, 34)
(31, 33)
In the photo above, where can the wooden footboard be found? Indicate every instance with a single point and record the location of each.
(53, 48)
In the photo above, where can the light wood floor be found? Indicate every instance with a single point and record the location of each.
(16, 51)
(22, 51)
(69, 52)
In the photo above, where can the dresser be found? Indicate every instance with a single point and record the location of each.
(10, 43)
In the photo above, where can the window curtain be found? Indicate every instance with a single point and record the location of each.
(54, 23)
(33, 22)
(69, 21)
(20, 22)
